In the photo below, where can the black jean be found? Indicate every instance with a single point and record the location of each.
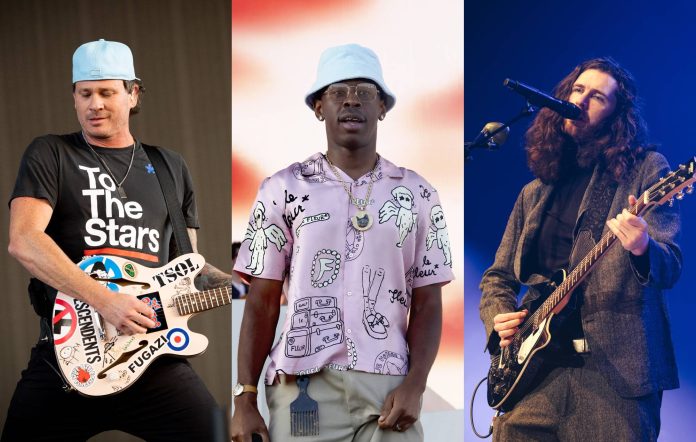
(168, 403)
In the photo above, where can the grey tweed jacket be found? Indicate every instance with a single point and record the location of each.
(624, 316)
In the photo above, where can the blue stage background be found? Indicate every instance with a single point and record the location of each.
(539, 43)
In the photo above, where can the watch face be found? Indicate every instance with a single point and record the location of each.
(238, 389)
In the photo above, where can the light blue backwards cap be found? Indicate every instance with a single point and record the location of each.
(103, 60)
(349, 62)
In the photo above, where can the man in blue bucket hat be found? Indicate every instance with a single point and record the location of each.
(96, 192)
(364, 253)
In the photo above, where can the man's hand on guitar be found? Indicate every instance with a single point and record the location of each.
(631, 230)
(507, 324)
(127, 313)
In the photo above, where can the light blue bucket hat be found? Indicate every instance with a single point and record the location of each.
(103, 60)
(348, 62)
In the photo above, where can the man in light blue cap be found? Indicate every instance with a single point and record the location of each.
(95, 192)
(351, 236)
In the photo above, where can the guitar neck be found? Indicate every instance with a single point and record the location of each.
(201, 301)
(581, 271)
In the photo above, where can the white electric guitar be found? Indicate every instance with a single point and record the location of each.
(95, 358)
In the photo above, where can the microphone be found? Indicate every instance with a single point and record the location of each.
(491, 142)
(499, 138)
(540, 99)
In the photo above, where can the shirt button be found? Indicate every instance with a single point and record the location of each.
(349, 293)
(348, 331)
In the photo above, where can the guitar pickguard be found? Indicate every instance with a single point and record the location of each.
(531, 342)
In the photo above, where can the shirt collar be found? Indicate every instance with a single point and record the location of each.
(386, 167)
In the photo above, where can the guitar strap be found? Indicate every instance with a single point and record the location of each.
(590, 228)
(593, 221)
(176, 216)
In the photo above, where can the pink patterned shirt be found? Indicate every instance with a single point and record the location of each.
(348, 291)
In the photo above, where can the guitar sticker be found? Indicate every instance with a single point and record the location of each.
(154, 301)
(102, 267)
(259, 237)
(67, 354)
(109, 357)
(64, 321)
(130, 270)
(178, 339)
(402, 210)
(82, 375)
(438, 234)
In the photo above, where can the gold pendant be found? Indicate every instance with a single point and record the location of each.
(361, 220)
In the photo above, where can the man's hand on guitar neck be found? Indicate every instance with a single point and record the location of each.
(631, 230)
(507, 324)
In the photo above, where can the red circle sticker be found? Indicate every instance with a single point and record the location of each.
(64, 321)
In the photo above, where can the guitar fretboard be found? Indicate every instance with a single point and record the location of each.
(580, 271)
(200, 301)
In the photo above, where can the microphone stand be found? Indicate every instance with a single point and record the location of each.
(484, 140)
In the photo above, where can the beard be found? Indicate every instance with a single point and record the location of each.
(590, 142)
(589, 154)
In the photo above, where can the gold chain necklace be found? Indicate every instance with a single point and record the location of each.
(362, 220)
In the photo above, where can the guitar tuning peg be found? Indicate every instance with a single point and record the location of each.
(680, 196)
(671, 202)
(690, 189)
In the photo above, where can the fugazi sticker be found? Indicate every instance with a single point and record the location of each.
(148, 352)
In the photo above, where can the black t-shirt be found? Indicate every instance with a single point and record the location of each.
(89, 217)
(555, 238)
(555, 241)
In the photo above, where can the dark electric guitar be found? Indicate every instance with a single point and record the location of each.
(513, 369)
(95, 358)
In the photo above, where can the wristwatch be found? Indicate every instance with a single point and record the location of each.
(240, 389)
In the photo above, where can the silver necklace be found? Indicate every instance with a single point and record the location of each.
(362, 220)
(119, 188)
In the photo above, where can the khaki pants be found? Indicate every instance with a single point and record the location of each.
(349, 406)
